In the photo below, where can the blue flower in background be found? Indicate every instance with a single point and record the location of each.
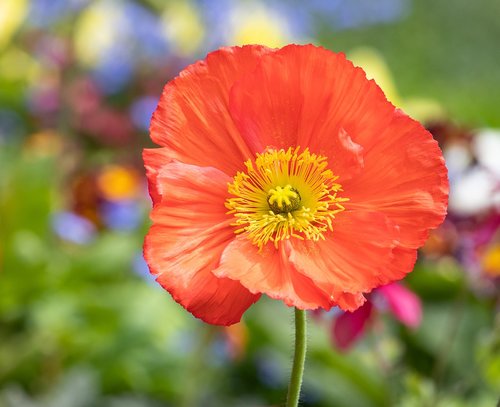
(114, 71)
(140, 267)
(146, 30)
(268, 369)
(294, 19)
(343, 14)
(272, 23)
(141, 111)
(73, 228)
(11, 125)
(43, 13)
(114, 39)
(123, 215)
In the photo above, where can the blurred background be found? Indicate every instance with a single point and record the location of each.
(82, 323)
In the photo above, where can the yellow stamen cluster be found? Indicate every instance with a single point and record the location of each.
(284, 194)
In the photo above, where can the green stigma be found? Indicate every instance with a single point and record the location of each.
(283, 200)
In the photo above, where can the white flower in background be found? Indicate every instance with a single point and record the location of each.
(486, 144)
(472, 193)
(477, 189)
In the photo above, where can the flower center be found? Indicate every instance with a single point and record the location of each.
(284, 194)
(283, 200)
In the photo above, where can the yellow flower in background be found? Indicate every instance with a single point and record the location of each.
(117, 182)
(375, 67)
(422, 109)
(96, 31)
(183, 27)
(491, 261)
(257, 24)
(12, 13)
(17, 65)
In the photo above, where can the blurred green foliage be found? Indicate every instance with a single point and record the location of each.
(443, 50)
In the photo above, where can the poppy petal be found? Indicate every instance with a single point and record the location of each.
(192, 118)
(154, 160)
(269, 271)
(355, 257)
(405, 178)
(189, 233)
(307, 95)
(346, 301)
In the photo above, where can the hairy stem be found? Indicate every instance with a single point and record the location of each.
(298, 359)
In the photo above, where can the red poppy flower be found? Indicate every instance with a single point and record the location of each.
(285, 172)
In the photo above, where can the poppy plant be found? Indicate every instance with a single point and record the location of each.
(285, 172)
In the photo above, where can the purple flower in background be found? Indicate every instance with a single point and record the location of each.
(52, 51)
(73, 228)
(44, 99)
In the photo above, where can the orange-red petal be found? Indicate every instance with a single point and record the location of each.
(189, 233)
(154, 160)
(192, 118)
(270, 272)
(356, 257)
(405, 178)
(306, 96)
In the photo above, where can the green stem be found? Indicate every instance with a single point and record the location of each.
(299, 359)
(196, 373)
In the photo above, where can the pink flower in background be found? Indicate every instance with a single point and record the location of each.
(402, 303)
